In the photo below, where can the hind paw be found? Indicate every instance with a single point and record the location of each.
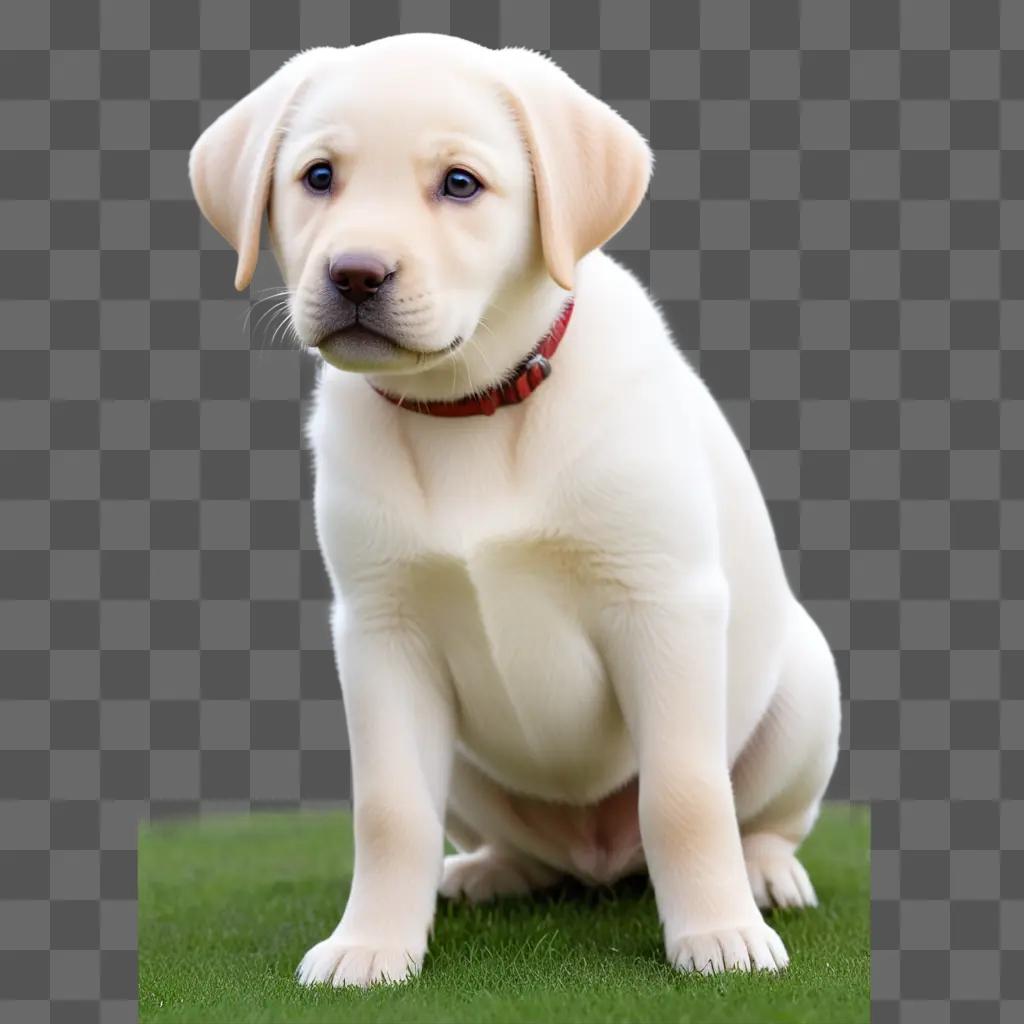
(486, 874)
(777, 878)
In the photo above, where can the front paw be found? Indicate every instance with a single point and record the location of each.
(337, 962)
(754, 947)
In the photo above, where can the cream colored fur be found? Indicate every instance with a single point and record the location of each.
(532, 608)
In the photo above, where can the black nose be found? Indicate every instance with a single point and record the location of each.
(358, 275)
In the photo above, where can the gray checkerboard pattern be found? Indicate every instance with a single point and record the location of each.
(836, 231)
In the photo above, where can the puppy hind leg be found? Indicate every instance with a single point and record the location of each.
(770, 840)
(781, 775)
(777, 878)
(496, 856)
(489, 872)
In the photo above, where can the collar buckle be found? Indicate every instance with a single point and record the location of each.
(541, 362)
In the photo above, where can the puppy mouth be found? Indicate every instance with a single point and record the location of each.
(359, 347)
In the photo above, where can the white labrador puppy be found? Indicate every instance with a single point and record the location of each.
(562, 625)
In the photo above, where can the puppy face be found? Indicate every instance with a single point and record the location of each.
(401, 205)
(414, 186)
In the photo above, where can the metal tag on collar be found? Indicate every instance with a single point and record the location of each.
(541, 362)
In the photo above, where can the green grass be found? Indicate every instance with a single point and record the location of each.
(228, 906)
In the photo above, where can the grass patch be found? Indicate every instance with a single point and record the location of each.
(228, 906)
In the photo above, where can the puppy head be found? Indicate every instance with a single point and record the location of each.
(410, 183)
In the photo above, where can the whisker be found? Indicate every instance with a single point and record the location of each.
(286, 324)
(271, 312)
(483, 354)
(275, 305)
(469, 373)
(258, 332)
(274, 325)
(252, 307)
(500, 309)
(296, 340)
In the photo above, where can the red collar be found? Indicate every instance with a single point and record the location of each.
(525, 379)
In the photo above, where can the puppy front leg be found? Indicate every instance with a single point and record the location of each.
(400, 724)
(667, 660)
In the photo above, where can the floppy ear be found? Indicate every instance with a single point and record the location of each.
(232, 163)
(590, 166)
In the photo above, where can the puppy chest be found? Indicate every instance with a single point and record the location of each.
(536, 708)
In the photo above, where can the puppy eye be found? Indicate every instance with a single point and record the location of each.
(319, 177)
(460, 184)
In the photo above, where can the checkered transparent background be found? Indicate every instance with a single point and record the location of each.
(836, 231)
